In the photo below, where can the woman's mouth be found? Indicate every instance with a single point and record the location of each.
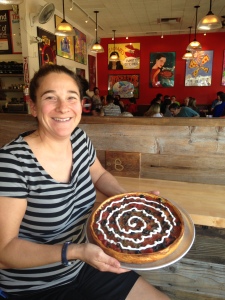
(61, 120)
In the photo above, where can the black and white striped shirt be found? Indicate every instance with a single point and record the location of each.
(56, 212)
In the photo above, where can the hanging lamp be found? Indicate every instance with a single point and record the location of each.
(11, 1)
(64, 28)
(210, 21)
(188, 55)
(96, 48)
(195, 45)
(114, 55)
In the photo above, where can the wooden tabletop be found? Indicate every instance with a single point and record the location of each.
(205, 203)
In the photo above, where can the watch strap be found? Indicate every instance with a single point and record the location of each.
(65, 262)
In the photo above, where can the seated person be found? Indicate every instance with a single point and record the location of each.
(132, 106)
(111, 109)
(182, 111)
(192, 104)
(154, 111)
(219, 109)
(217, 101)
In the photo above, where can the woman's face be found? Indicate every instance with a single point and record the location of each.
(58, 107)
(160, 62)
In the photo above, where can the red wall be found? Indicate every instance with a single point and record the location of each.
(175, 43)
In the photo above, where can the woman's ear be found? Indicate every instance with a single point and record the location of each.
(32, 108)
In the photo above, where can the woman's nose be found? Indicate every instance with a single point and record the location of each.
(62, 106)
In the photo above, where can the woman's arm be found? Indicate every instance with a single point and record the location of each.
(17, 253)
(104, 181)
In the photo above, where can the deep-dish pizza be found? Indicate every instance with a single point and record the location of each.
(137, 227)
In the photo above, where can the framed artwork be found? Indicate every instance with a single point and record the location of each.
(5, 37)
(15, 32)
(129, 56)
(125, 85)
(47, 48)
(223, 71)
(162, 69)
(65, 44)
(80, 46)
(80, 72)
(199, 69)
(92, 72)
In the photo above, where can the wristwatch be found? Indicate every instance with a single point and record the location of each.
(65, 262)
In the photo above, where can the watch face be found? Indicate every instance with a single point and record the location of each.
(15, 8)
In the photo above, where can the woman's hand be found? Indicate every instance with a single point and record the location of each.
(96, 257)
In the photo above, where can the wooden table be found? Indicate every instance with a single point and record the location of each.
(205, 203)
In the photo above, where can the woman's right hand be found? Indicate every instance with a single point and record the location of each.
(96, 257)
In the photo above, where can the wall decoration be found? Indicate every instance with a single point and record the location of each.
(223, 71)
(92, 72)
(5, 39)
(162, 69)
(15, 32)
(199, 69)
(80, 72)
(65, 44)
(47, 48)
(125, 85)
(80, 47)
(129, 56)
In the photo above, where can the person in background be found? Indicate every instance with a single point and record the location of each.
(132, 106)
(96, 100)
(119, 102)
(86, 100)
(165, 108)
(48, 182)
(182, 111)
(217, 101)
(219, 109)
(186, 101)
(111, 109)
(174, 100)
(154, 111)
(192, 104)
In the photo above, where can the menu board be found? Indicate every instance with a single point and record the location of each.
(5, 39)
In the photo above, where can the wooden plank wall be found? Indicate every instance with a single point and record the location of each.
(177, 149)
(180, 153)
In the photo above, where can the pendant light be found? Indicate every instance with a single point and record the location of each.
(195, 45)
(11, 1)
(114, 55)
(64, 28)
(210, 21)
(96, 48)
(188, 55)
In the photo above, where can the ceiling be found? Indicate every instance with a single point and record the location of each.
(139, 17)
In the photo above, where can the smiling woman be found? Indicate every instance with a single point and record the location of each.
(48, 179)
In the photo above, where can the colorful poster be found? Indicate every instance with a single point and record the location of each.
(199, 69)
(92, 72)
(65, 44)
(80, 47)
(5, 39)
(129, 56)
(15, 32)
(223, 71)
(124, 85)
(162, 69)
(47, 48)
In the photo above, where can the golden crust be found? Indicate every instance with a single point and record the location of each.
(143, 257)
